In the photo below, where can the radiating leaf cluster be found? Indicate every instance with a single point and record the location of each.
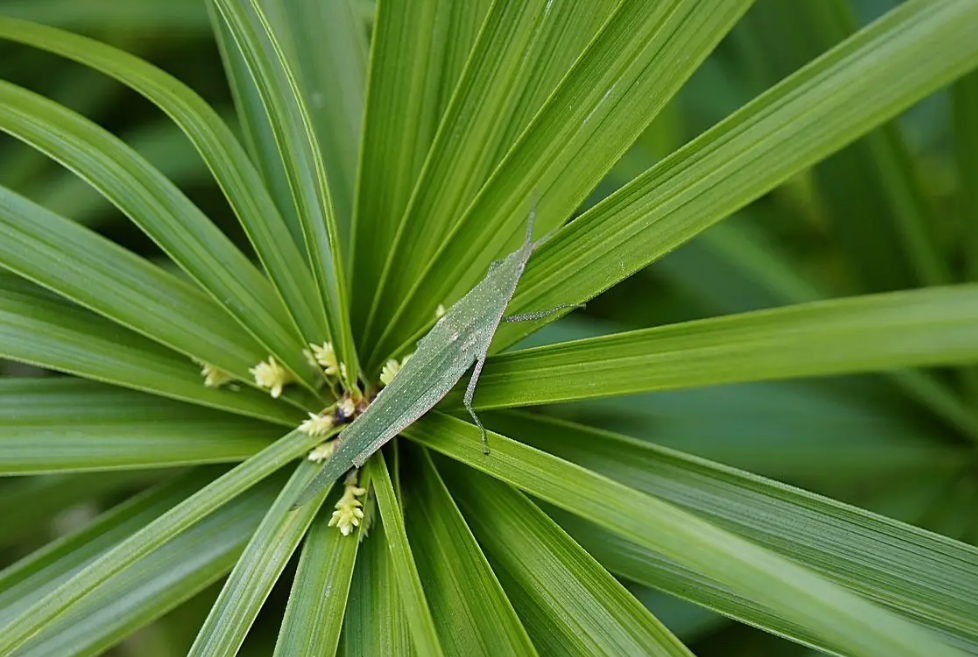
(382, 155)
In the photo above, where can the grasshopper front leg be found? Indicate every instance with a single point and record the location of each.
(467, 400)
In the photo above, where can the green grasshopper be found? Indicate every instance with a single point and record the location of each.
(459, 338)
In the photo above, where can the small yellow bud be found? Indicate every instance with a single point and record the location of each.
(349, 511)
(271, 376)
(320, 453)
(317, 425)
(326, 357)
(440, 311)
(391, 368)
(215, 377)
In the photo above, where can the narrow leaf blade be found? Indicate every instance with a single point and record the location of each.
(38, 328)
(257, 569)
(416, 609)
(754, 150)
(469, 607)
(843, 620)
(215, 142)
(934, 326)
(317, 604)
(571, 604)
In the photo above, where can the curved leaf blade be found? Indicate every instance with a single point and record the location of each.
(38, 573)
(933, 326)
(470, 609)
(571, 604)
(901, 58)
(258, 568)
(409, 588)
(160, 582)
(326, 43)
(67, 424)
(38, 328)
(222, 153)
(924, 577)
(302, 159)
(843, 620)
(31, 620)
(162, 211)
(94, 272)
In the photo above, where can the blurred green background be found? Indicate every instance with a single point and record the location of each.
(883, 214)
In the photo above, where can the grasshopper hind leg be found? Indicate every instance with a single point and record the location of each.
(467, 400)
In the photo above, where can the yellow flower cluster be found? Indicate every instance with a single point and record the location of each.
(271, 376)
(349, 510)
(318, 424)
(326, 358)
(215, 377)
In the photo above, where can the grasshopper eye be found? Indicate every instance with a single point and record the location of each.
(494, 264)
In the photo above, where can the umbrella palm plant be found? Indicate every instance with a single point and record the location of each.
(376, 181)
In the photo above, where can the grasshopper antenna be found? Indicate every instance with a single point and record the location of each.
(529, 225)
(533, 217)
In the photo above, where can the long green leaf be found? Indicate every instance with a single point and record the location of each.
(842, 620)
(258, 136)
(38, 573)
(102, 276)
(161, 581)
(49, 424)
(855, 87)
(326, 44)
(522, 51)
(59, 424)
(302, 158)
(317, 603)
(635, 64)
(222, 153)
(258, 568)
(925, 577)
(416, 610)
(748, 263)
(86, 92)
(469, 607)
(934, 326)
(55, 604)
(871, 192)
(373, 595)
(163, 212)
(572, 606)
(39, 328)
(418, 53)
(163, 146)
